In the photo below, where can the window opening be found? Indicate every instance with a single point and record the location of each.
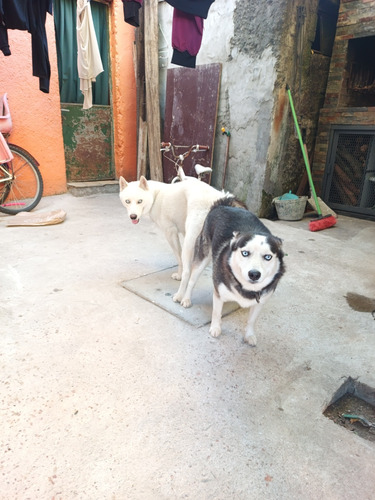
(360, 73)
(326, 27)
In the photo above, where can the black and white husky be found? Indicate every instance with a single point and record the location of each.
(247, 262)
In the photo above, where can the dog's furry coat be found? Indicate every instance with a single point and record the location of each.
(247, 262)
(178, 209)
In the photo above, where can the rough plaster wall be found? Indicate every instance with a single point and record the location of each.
(242, 35)
(249, 99)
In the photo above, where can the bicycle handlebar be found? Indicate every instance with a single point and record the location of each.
(167, 146)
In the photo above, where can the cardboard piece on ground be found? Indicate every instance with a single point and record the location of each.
(37, 219)
(323, 207)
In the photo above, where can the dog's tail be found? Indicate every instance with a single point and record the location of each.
(229, 201)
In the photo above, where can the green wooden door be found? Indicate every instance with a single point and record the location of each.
(87, 142)
(87, 133)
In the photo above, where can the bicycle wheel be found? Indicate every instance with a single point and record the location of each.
(21, 183)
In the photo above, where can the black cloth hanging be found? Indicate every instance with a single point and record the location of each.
(28, 15)
(194, 7)
(131, 11)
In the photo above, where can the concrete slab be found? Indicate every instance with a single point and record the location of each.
(105, 395)
(158, 288)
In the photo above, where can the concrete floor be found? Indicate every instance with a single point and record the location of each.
(108, 396)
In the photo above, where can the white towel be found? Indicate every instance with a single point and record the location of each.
(89, 62)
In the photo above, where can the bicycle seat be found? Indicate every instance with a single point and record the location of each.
(5, 118)
(200, 169)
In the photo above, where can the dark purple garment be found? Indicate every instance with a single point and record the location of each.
(187, 32)
(187, 29)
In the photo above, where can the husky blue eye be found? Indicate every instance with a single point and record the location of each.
(245, 253)
(268, 257)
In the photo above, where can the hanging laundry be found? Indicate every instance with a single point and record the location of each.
(187, 33)
(187, 27)
(195, 7)
(131, 11)
(28, 15)
(89, 62)
(187, 30)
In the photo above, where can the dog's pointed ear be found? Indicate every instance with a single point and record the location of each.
(276, 245)
(143, 183)
(123, 183)
(234, 241)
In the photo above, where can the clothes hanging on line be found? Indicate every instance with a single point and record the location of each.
(131, 11)
(28, 15)
(187, 30)
(194, 7)
(187, 27)
(89, 62)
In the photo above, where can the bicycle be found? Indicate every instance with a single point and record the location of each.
(178, 160)
(21, 183)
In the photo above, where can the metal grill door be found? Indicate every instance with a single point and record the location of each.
(349, 179)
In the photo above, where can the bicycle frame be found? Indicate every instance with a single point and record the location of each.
(8, 177)
(5, 152)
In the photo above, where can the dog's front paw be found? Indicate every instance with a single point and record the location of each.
(251, 340)
(186, 302)
(176, 276)
(215, 331)
(176, 298)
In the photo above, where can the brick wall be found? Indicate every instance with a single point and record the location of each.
(356, 20)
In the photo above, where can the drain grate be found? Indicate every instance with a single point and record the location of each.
(353, 407)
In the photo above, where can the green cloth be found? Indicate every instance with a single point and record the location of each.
(65, 17)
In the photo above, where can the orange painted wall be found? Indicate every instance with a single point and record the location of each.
(124, 97)
(36, 115)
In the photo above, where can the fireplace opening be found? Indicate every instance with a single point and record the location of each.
(360, 81)
(349, 178)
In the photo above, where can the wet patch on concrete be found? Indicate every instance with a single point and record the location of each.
(361, 303)
(159, 288)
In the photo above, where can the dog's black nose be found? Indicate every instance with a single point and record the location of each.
(133, 216)
(254, 275)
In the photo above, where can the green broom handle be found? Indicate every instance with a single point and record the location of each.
(303, 151)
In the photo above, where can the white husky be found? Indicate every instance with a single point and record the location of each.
(178, 209)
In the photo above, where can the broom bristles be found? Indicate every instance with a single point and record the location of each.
(322, 223)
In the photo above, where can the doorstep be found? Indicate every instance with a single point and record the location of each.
(92, 187)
